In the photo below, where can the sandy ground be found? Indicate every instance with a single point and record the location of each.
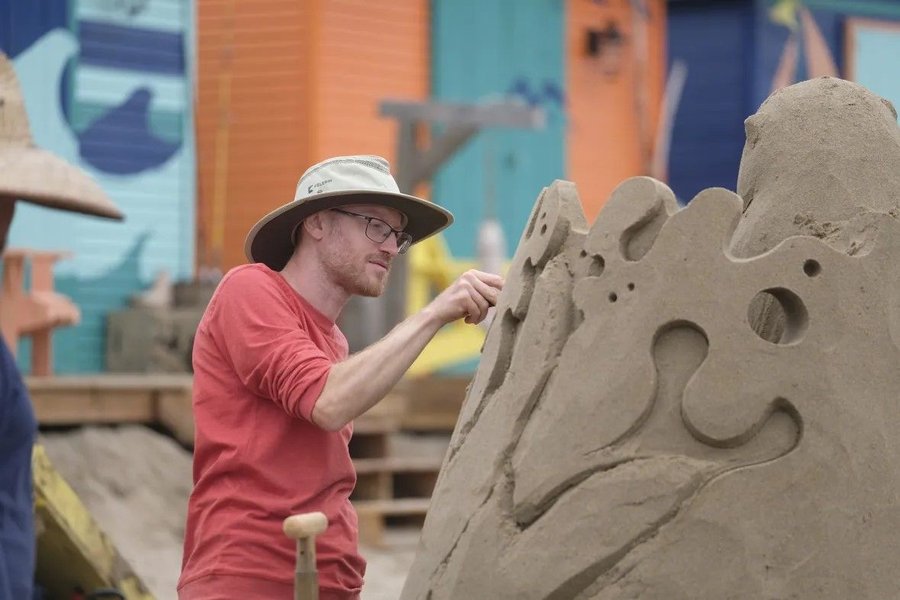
(389, 565)
(110, 468)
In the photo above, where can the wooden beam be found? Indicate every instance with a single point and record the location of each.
(487, 114)
(434, 402)
(105, 399)
(72, 549)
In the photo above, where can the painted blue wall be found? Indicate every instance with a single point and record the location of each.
(770, 38)
(715, 40)
(485, 50)
(107, 86)
(732, 49)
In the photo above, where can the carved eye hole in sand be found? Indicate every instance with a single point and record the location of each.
(778, 315)
(543, 221)
(613, 297)
(812, 268)
(597, 264)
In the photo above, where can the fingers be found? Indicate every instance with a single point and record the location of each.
(489, 292)
(491, 279)
(483, 290)
(478, 307)
(471, 296)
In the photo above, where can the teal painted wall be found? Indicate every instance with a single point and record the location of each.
(485, 50)
(873, 68)
(107, 86)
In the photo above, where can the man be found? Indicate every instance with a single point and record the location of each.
(29, 174)
(274, 391)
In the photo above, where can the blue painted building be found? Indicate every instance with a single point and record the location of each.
(493, 50)
(738, 51)
(108, 86)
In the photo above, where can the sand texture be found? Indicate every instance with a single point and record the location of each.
(636, 429)
(135, 483)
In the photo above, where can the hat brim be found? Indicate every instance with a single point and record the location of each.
(33, 175)
(270, 240)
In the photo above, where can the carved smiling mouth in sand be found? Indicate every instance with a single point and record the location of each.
(656, 417)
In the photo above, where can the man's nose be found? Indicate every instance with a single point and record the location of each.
(390, 245)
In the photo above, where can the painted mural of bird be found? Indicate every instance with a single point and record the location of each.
(125, 127)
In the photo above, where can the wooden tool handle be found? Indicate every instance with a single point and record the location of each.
(305, 525)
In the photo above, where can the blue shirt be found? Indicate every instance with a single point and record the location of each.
(17, 432)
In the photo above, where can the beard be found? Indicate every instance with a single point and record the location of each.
(352, 274)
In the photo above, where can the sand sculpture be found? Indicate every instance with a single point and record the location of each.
(698, 403)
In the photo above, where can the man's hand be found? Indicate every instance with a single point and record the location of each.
(356, 384)
(470, 296)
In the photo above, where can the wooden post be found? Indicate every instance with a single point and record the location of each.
(34, 312)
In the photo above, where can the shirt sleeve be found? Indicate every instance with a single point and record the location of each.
(267, 343)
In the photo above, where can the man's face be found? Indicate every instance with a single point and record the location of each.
(354, 261)
(7, 208)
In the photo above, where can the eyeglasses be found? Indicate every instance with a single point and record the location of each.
(378, 231)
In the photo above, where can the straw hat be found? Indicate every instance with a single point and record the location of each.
(34, 175)
(337, 182)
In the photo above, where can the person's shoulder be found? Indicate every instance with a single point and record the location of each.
(247, 283)
(243, 289)
(249, 276)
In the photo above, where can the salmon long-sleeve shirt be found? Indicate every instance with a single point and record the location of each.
(261, 356)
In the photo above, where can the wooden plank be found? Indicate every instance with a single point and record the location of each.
(433, 403)
(372, 486)
(72, 551)
(140, 398)
(373, 516)
(112, 381)
(431, 421)
(395, 464)
(61, 407)
(395, 478)
(384, 416)
(394, 506)
(175, 413)
(371, 528)
(373, 424)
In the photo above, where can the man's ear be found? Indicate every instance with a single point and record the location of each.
(314, 226)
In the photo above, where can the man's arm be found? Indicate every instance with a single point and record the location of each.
(358, 383)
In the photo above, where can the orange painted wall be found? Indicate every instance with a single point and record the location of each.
(603, 144)
(251, 116)
(368, 51)
(285, 83)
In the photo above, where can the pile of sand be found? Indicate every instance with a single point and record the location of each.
(136, 483)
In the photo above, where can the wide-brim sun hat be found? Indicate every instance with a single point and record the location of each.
(336, 182)
(30, 174)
